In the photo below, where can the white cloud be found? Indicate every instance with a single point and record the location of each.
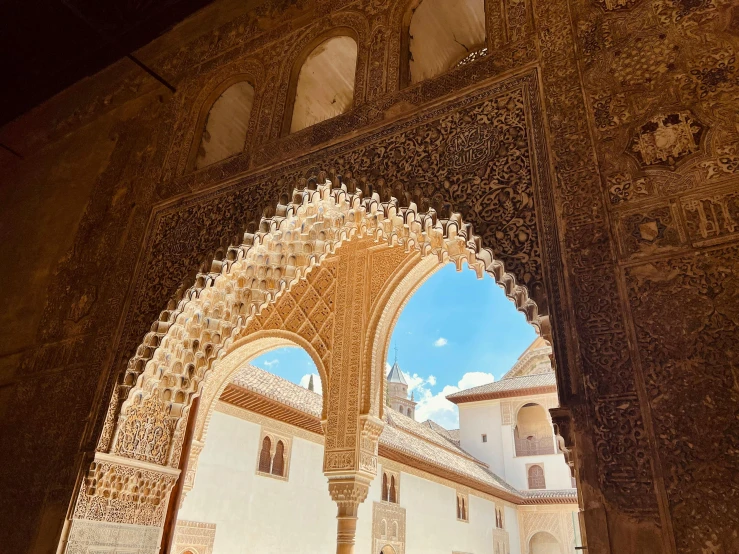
(441, 341)
(270, 363)
(475, 379)
(316, 382)
(415, 381)
(435, 405)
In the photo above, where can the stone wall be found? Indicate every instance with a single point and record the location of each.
(616, 132)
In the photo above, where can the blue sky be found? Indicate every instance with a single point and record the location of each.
(456, 332)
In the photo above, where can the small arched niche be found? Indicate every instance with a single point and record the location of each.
(325, 84)
(442, 33)
(544, 543)
(225, 127)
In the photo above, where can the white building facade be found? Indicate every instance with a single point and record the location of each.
(259, 485)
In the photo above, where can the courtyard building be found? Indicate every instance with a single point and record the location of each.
(257, 484)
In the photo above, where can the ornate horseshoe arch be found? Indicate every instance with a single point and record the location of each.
(192, 349)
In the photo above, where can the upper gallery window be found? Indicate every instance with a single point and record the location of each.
(274, 456)
(462, 507)
(224, 130)
(443, 33)
(325, 86)
(390, 487)
(499, 518)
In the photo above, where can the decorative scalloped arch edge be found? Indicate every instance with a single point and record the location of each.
(173, 359)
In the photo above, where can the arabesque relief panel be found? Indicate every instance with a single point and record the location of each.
(699, 340)
(660, 81)
(494, 190)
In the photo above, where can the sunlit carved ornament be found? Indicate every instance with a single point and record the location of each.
(666, 140)
(116, 492)
(674, 11)
(146, 432)
(473, 56)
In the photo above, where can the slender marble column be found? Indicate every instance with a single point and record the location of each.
(348, 492)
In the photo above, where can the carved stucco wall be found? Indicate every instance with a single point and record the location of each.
(641, 123)
(558, 523)
(660, 83)
(194, 535)
(386, 519)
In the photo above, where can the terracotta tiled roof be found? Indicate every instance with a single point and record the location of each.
(505, 387)
(455, 463)
(264, 383)
(452, 435)
(424, 431)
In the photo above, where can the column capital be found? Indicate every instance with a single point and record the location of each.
(348, 493)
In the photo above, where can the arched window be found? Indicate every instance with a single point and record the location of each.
(383, 528)
(274, 455)
(461, 506)
(384, 487)
(440, 34)
(391, 496)
(499, 518)
(395, 530)
(536, 477)
(278, 464)
(409, 413)
(265, 458)
(225, 126)
(325, 84)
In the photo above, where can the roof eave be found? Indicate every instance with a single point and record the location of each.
(477, 397)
